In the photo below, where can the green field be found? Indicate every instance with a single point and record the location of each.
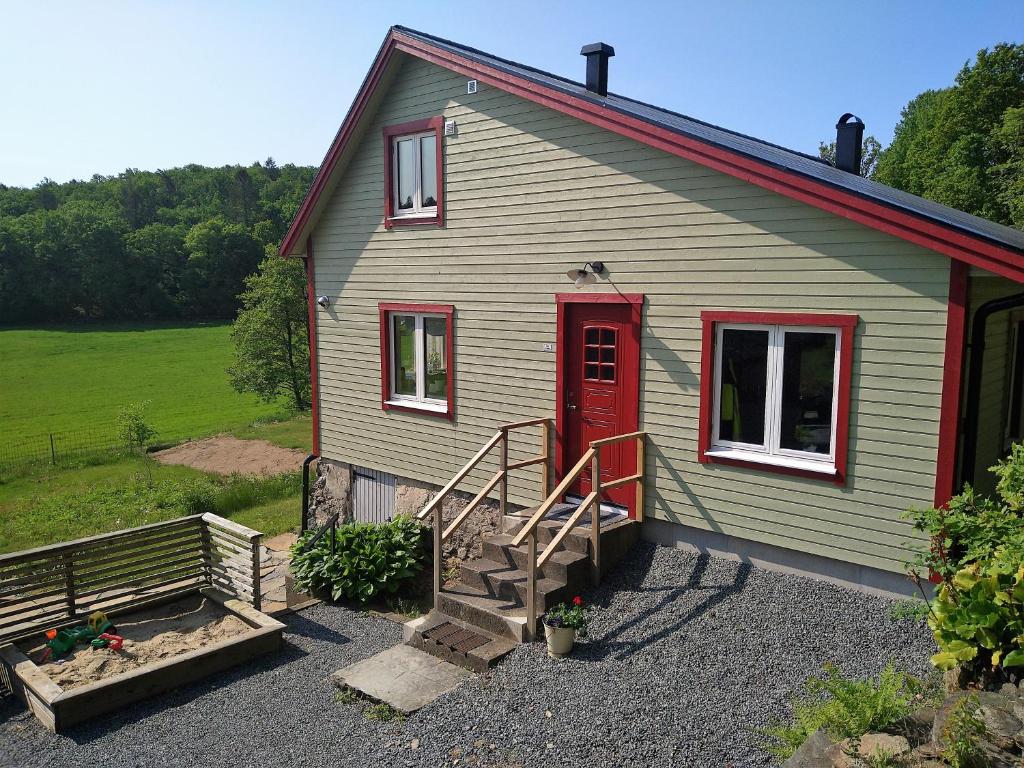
(76, 380)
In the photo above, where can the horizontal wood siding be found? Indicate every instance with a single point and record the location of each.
(530, 194)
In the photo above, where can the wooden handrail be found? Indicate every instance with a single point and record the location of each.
(450, 485)
(472, 505)
(522, 424)
(552, 499)
(574, 518)
(616, 439)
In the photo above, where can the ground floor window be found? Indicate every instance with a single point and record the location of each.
(416, 357)
(775, 390)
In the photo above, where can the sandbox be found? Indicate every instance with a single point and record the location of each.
(166, 646)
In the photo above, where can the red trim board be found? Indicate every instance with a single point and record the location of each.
(846, 324)
(436, 124)
(930, 234)
(633, 361)
(386, 309)
(314, 365)
(952, 382)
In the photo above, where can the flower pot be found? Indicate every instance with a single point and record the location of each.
(560, 640)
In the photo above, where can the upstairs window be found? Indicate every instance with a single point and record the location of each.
(779, 394)
(416, 357)
(413, 173)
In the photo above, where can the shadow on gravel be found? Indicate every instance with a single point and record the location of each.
(610, 645)
(297, 624)
(106, 724)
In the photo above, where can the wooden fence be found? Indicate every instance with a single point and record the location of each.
(60, 585)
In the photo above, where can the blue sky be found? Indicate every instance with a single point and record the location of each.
(99, 87)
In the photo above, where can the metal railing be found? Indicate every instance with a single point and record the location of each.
(499, 479)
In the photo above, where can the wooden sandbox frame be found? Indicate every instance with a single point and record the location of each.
(119, 573)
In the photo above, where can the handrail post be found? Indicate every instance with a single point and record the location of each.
(545, 451)
(641, 444)
(257, 589)
(595, 515)
(69, 582)
(437, 553)
(531, 587)
(503, 494)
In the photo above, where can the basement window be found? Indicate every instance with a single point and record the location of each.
(416, 357)
(779, 391)
(413, 173)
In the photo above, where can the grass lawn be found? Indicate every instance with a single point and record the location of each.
(63, 504)
(65, 379)
(295, 432)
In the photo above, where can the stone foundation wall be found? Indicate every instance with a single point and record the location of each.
(332, 492)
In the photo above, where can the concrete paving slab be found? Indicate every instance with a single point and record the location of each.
(404, 677)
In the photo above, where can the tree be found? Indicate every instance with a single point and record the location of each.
(962, 146)
(271, 335)
(869, 150)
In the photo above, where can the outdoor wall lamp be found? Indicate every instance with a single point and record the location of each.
(323, 301)
(581, 277)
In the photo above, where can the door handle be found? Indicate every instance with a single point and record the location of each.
(571, 407)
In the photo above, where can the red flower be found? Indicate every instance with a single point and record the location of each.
(577, 600)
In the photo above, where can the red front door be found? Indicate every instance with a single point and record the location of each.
(600, 391)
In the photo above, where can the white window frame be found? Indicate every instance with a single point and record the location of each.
(420, 399)
(771, 452)
(418, 210)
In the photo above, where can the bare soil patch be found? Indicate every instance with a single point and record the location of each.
(149, 636)
(226, 455)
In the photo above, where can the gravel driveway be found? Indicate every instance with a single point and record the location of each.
(688, 655)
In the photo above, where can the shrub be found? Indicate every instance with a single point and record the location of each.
(962, 735)
(978, 617)
(971, 527)
(845, 707)
(370, 559)
(132, 428)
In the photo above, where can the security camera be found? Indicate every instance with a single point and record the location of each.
(323, 301)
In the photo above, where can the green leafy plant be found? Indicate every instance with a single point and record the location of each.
(370, 559)
(962, 734)
(383, 712)
(908, 610)
(971, 527)
(132, 428)
(978, 617)
(346, 696)
(845, 707)
(576, 616)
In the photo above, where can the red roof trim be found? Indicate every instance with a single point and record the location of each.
(932, 235)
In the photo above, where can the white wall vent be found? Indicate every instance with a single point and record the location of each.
(449, 127)
(471, 86)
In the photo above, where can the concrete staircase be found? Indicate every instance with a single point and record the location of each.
(481, 616)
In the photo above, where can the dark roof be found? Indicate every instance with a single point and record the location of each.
(762, 151)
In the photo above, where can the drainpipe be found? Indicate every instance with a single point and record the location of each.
(305, 490)
(974, 371)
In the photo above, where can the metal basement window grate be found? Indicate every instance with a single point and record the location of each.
(373, 495)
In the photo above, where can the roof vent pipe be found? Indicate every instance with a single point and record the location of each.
(849, 138)
(597, 66)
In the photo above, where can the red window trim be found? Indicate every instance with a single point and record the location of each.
(386, 309)
(846, 325)
(436, 124)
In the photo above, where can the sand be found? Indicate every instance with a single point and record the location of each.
(150, 635)
(227, 455)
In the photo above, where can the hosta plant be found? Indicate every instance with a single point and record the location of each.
(978, 616)
(370, 560)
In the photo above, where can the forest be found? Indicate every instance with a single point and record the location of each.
(142, 245)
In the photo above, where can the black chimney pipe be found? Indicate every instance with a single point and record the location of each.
(597, 66)
(849, 138)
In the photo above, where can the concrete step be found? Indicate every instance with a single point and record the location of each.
(572, 568)
(457, 642)
(494, 615)
(509, 583)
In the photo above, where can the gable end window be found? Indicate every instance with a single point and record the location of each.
(775, 391)
(413, 173)
(416, 348)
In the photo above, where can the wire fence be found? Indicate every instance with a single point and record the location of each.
(57, 449)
